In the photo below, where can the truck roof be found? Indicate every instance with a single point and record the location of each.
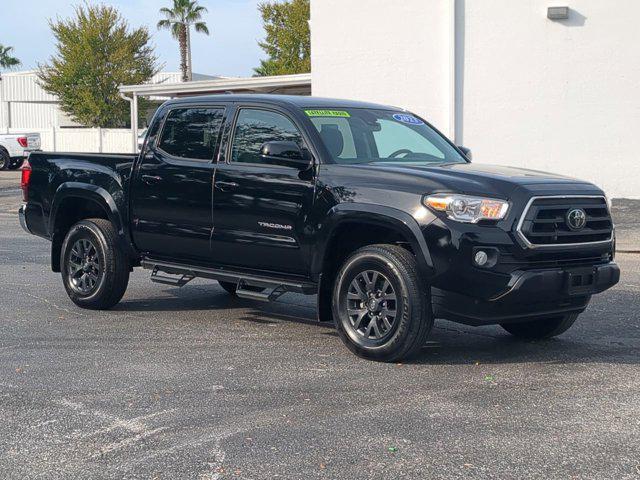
(284, 100)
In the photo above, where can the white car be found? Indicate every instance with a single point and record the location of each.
(14, 148)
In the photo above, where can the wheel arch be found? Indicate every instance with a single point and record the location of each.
(350, 220)
(74, 202)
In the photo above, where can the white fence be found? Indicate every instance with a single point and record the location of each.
(96, 140)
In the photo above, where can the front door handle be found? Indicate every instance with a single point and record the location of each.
(226, 185)
(151, 179)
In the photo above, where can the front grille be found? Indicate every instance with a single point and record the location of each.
(544, 222)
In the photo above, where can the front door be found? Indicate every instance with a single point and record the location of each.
(260, 209)
(171, 190)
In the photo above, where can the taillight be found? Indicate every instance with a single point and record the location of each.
(23, 142)
(25, 180)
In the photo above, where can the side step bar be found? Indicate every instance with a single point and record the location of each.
(276, 286)
(157, 277)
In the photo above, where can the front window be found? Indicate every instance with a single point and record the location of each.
(358, 135)
(254, 128)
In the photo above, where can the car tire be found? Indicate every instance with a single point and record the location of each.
(542, 328)
(15, 164)
(231, 287)
(5, 159)
(94, 266)
(381, 307)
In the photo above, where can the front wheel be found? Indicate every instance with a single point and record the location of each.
(94, 267)
(541, 329)
(381, 307)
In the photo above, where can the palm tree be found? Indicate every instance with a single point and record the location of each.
(179, 20)
(6, 60)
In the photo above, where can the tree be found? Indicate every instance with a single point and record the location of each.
(6, 58)
(96, 53)
(287, 41)
(179, 20)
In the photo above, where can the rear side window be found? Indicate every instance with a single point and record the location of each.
(191, 133)
(254, 128)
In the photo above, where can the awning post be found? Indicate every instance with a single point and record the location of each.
(134, 122)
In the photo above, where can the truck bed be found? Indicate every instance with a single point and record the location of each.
(56, 175)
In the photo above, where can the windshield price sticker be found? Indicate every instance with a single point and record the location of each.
(410, 119)
(327, 113)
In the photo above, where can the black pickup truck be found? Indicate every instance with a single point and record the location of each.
(367, 206)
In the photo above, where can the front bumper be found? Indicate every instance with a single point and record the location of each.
(529, 294)
(23, 218)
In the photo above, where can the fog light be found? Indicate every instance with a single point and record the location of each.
(481, 258)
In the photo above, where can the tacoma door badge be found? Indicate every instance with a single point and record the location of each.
(275, 226)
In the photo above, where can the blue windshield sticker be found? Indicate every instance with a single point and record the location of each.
(410, 119)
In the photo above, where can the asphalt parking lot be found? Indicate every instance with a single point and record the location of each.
(191, 383)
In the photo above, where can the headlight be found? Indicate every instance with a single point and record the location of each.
(466, 208)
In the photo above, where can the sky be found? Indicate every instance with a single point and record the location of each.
(231, 49)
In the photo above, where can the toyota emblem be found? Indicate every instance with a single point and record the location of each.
(576, 219)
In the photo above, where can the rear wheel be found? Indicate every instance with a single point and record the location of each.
(541, 328)
(15, 164)
(382, 309)
(94, 266)
(5, 159)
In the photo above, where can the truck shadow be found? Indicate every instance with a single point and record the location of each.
(601, 334)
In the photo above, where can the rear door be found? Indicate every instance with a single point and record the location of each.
(171, 189)
(259, 209)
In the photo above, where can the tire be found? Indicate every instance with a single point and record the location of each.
(103, 276)
(394, 323)
(5, 159)
(541, 329)
(15, 164)
(231, 287)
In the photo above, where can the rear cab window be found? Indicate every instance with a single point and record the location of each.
(192, 133)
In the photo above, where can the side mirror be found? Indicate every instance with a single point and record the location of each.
(466, 151)
(287, 154)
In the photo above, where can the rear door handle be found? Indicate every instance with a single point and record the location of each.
(226, 185)
(151, 179)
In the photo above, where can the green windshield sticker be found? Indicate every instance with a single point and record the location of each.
(327, 113)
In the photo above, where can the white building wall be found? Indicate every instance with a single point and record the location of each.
(387, 51)
(561, 96)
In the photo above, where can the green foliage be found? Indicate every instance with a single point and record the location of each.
(6, 58)
(179, 20)
(96, 53)
(287, 41)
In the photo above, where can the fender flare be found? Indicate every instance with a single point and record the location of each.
(377, 215)
(89, 192)
(95, 194)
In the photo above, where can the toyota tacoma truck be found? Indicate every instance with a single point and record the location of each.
(14, 148)
(367, 206)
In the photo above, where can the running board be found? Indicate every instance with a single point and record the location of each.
(173, 281)
(276, 286)
(274, 294)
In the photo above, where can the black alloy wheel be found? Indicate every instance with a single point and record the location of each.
(372, 305)
(84, 268)
(94, 265)
(380, 303)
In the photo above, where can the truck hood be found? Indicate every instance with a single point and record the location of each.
(483, 179)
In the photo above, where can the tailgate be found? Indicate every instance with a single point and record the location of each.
(33, 141)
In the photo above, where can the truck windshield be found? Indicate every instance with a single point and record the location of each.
(358, 135)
